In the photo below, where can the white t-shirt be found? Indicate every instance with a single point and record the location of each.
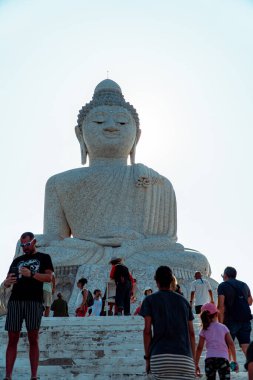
(79, 298)
(201, 287)
(97, 307)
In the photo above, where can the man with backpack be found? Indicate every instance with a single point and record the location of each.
(234, 300)
(124, 283)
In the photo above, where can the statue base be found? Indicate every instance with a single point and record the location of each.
(141, 256)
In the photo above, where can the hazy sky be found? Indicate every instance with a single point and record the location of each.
(185, 65)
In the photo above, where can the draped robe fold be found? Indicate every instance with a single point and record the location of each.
(100, 204)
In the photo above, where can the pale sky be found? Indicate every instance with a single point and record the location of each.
(186, 66)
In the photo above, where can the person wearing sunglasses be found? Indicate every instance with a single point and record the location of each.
(26, 276)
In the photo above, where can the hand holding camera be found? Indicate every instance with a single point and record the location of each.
(25, 272)
(10, 280)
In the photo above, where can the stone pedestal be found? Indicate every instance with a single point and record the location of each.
(98, 276)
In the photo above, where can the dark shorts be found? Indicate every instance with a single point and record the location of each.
(240, 330)
(198, 309)
(18, 311)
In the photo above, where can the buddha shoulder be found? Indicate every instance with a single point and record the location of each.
(67, 178)
(146, 176)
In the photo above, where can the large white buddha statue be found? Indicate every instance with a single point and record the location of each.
(111, 208)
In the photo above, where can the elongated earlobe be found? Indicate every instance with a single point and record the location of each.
(83, 147)
(133, 150)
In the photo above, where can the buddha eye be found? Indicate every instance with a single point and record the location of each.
(122, 122)
(98, 121)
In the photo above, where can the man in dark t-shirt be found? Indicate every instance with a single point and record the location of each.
(26, 276)
(231, 313)
(169, 341)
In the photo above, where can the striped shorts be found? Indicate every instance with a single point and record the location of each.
(172, 367)
(17, 311)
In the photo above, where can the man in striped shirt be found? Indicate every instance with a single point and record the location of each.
(26, 276)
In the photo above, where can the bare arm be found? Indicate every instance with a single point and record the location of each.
(211, 295)
(42, 277)
(10, 280)
(53, 283)
(85, 295)
(192, 296)
(192, 338)
(199, 352)
(231, 346)
(221, 308)
(147, 337)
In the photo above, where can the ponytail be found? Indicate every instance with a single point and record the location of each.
(206, 319)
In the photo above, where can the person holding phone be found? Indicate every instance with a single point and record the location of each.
(26, 276)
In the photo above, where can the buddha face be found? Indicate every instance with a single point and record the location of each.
(109, 132)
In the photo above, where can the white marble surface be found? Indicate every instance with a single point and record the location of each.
(110, 207)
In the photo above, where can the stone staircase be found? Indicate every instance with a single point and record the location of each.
(89, 348)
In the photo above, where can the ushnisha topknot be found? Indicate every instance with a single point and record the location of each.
(107, 93)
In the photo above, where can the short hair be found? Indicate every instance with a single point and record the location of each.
(83, 281)
(230, 272)
(95, 291)
(164, 276)
(25, 234)
(59, 295)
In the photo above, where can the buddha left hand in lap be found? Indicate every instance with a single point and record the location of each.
(108, 203)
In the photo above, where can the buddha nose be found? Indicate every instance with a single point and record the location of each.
(111, 122)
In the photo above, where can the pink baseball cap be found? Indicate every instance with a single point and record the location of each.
(210, 307)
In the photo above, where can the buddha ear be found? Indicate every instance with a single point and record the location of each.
(133, 150)
(83, 147)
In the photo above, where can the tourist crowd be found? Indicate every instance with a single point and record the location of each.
(169, 338)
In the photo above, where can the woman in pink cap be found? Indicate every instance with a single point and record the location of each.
(218, 341)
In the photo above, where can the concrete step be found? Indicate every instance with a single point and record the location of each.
(89, 348)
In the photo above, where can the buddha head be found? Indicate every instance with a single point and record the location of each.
(108, 126)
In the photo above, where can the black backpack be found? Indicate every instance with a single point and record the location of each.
(121, 274)
(240, 310)
(90, 300)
